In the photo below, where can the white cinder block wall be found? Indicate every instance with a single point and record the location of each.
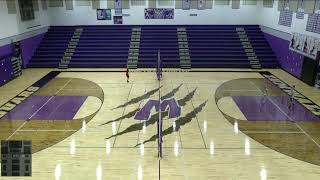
(269, 17)
(11, 24)
(84, 15)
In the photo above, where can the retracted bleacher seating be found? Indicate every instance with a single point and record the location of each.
(163, 38)
(210, 46)
(261, 47)
(52, 47)
(102, 46)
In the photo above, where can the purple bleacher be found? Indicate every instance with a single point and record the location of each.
(216, 46)
(262, 48)
(102, 46)
(52, 47)
(163, 38)
(220, 46)
(108, 46)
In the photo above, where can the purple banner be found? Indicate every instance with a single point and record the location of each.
(117, 7)
(158, 13)
(186, 4)
(201, 4)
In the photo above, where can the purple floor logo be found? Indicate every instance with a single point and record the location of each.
(168, 105)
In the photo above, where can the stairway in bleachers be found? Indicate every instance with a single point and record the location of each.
(65, 60)
(261, 47)
(163, 38)
(209, 46)
(133, 55)
(251, 55)
(52, 47)
(184, 55)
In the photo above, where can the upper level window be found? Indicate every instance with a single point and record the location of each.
(26, 10)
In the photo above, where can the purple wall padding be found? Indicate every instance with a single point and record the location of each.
(6, 72)
(5, 50)
(5, 64)
(28, 47)
(289, 60)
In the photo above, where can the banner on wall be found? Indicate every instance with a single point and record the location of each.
(201, 4)
(117, 20)
(306, 45)
(158, 13)
(186, 4)
(300, 10)
(103, 14)
(117, 7)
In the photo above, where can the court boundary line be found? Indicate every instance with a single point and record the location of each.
(35, 84)
(57, 72)
(294, 122)
(168, 147)
(261, 72)
(204, 142)
(18, 129)
(140, 121)
(29, 118)
(124, 109)
(267, 73)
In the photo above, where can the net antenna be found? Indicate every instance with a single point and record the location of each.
(159, 76)
(159, 67)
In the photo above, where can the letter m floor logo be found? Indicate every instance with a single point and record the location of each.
(168, 105)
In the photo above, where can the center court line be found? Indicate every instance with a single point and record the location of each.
(140, 105)
(196, 116)
(124, 109)
(180, 138)
(36, 111)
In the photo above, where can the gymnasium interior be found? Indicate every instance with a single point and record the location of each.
(160, 89)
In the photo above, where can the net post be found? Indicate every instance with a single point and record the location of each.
(159, 112)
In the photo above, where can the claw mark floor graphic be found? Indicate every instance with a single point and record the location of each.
(179, 123)
(152, 119)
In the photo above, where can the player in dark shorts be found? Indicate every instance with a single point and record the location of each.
(127, 75)
(291, 103)
(264, 97)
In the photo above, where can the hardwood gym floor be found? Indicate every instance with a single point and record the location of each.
(83, 125)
